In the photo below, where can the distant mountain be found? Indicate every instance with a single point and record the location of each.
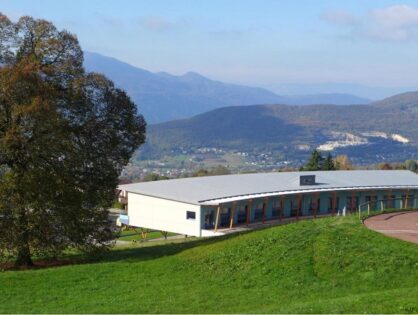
(387, 129)
(162, 96)
(328, 98)
(401, 102)
(368, 92)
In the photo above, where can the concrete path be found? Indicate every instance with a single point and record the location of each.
(120, 242)
(402, 225)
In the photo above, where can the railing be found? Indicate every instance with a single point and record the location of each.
(378, 206)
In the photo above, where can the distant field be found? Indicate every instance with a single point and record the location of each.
(320, 266)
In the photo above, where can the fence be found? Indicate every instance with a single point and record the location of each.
(378, 206)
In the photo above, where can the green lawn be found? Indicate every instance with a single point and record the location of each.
(319, 266)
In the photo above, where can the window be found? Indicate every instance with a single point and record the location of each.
(314, 205)
(258, 211)
(352, 203)
(372, 202)
(277, 208)
(191, 215)
(331, 205)
(389, 201)
(225, 217)
(242, 214)
(296, 207)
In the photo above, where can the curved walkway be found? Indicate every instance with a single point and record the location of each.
(402, 225)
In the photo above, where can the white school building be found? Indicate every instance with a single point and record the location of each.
(204, 206)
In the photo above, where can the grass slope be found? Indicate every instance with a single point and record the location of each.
(320, 266)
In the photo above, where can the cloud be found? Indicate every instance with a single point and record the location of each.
(159, 24)
(393, 23)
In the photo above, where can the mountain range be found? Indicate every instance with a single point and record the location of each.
(383, 130)
(189, 112)
(163, 97)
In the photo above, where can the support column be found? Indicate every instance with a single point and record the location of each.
(249, 206)
(316, 204)
(299, 209)
(334, 203)
(282, 204)
(390, 198)
(231, 220)
(353, 200)
(217, 218)
(406, 199)
(266, 200)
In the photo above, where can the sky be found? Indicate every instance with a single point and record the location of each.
(264, 43)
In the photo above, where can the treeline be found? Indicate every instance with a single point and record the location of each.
(316, 162)
(217, 170)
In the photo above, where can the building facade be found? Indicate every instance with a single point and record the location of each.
(206, 206)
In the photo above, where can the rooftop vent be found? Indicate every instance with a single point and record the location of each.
(307, 180)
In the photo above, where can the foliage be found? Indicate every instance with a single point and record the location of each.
(217, 170)
(342, 162)
(65, 136)
(328, 164)
(317, 162)
(151, 177)
(384, 166)
(411, 165)
(330, 265)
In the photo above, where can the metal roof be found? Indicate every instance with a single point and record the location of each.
(211, 190)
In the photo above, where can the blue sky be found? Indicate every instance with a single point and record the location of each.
(258, 42)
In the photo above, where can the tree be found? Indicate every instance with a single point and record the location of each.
(411, 165)
(201, 172)
(152, 177)
(219, 170)
(342, 162)
(385, 166)
(328, 164)
(65, 136)
(314, 163)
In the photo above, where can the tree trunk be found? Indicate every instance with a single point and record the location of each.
(23, 250)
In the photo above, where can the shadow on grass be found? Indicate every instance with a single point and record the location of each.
(115, 254)
(156, 251)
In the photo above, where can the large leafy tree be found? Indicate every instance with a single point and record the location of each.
(65, 136)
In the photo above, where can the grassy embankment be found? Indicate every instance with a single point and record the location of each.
(325, 265)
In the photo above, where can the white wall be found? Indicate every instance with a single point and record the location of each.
(161, 214)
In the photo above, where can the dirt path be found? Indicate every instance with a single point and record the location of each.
(402, 225)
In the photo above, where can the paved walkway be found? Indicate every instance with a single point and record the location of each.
(120, 242)
(402, 225)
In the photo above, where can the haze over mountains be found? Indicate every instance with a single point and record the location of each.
(369, 92)
(163, 97)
